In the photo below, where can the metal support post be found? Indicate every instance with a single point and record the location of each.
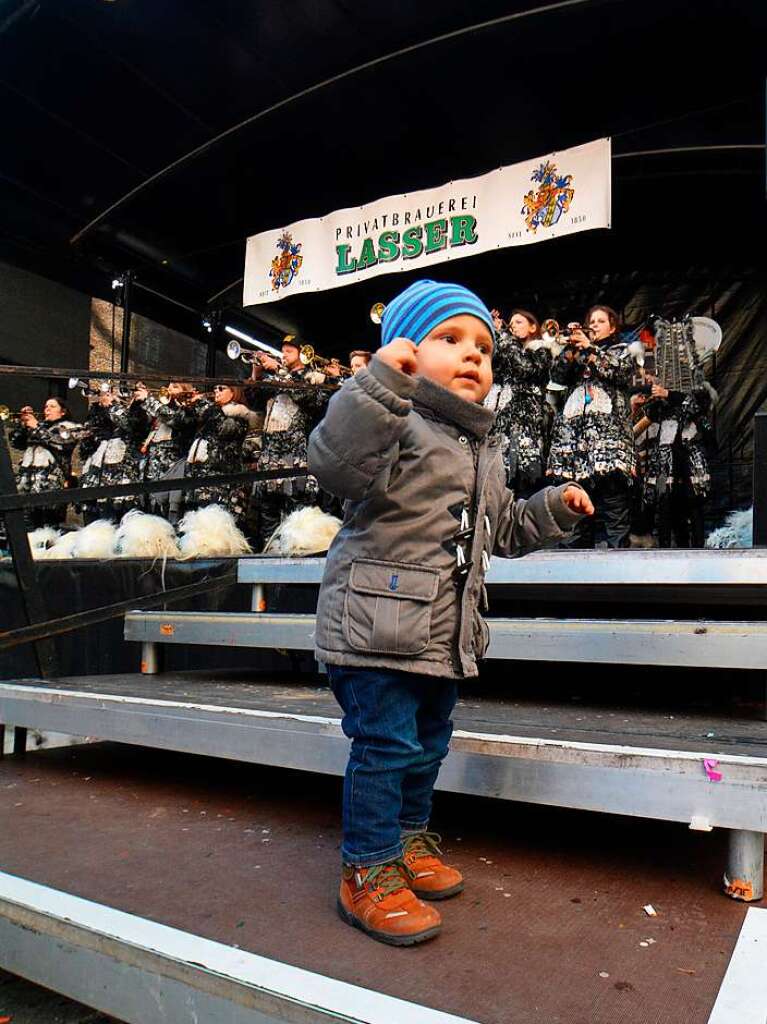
(23, 564)
(2, 741)
(19, 741)
(150, 658)
(211, 336)
(759, 535)
(127, 313)
(258, 599)
(744, 877)
(760, 480)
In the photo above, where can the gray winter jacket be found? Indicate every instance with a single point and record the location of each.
(417, 467)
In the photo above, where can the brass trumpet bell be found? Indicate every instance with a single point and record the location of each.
(309, 357)
(8, 416)
(551, 327)
(377, 312)
(553, 330)
(88, 389)
(234, 349)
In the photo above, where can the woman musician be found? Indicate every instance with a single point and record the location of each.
(592, 439)
(46, 464)
(521, 369)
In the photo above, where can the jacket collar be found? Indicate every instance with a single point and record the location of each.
(469, 416)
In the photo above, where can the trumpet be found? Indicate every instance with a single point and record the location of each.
(552, 328)
(188, 393)
(88, 390)
(8, 416)
(162, 394)
(310, 358)
(235, 351)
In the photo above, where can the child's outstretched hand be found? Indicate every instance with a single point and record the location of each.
(400, 354)
(577, 500)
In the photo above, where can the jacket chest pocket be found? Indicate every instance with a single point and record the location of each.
(388, 606)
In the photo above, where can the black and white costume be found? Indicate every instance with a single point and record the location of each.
(111, 454)
(592, 438)
(46, 464)
(521, 371)
(290, 418)
(165, 445)
(217, 448)
(677, 479)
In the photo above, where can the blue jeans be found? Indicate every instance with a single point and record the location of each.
(400, 728)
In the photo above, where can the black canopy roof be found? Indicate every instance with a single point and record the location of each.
(158, 136)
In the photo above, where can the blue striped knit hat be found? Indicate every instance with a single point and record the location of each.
(423, 305)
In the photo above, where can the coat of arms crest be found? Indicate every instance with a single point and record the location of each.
(287, 264)
(544, 207)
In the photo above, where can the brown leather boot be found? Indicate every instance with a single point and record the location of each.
(379, 902)
(427, 876)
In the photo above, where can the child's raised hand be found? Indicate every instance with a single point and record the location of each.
(577, 500)
(400, 354)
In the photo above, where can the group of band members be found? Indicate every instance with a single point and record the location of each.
(137, 434)
(587, 406)
(581, 406)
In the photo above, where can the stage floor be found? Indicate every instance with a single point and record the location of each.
(481, 708)
(551, 926)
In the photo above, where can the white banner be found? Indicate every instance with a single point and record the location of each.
(546, 197)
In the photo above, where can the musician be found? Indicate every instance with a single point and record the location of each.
(592, 438)
(46, 464)
(289, 419)
(115, 430)
(168, 440)
(521, 370)
(677, 479)
(359, 360)
(221, 425)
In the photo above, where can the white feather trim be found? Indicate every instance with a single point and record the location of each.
(140, 535)
(41, 540)
(63, 546)
(735, 532)
(96, 540)
(547, 342)
(636, 349)
(600, 403)
(241, 412)
(209, 532)
(307, 531)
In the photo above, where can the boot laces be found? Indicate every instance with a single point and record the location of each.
(422, 844)
(386, 878)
